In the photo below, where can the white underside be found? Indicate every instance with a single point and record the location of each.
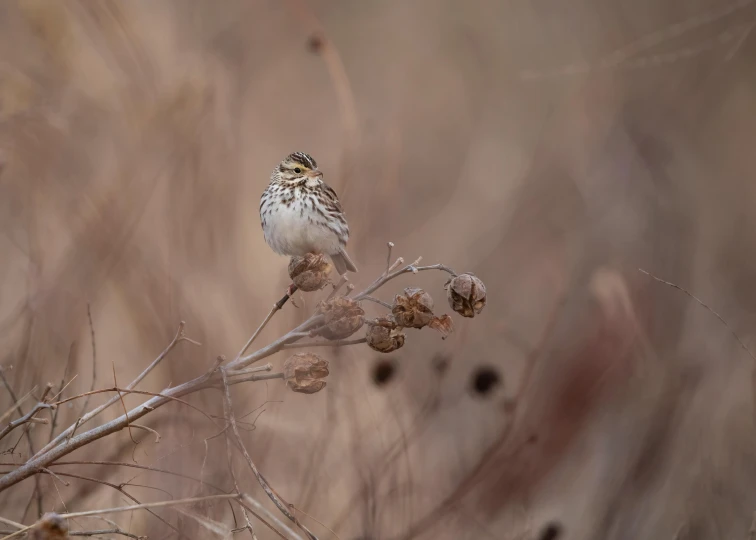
(288, 232)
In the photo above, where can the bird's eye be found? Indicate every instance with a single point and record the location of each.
(297, 170)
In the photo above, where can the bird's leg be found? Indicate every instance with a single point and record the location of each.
(289, 293)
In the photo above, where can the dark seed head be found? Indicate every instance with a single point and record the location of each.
(315, 43)
(485, 380)
(383, 372)
(552, 531)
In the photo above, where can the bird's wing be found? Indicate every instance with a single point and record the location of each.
(333, 199)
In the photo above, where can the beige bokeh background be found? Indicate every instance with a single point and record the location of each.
(552, 147)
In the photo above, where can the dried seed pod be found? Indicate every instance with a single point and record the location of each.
(303, 372)
(343, 317)
(384, 336)
(466, 294)
(442, 324)
(50, 527)
(413, 309)
(309, 273)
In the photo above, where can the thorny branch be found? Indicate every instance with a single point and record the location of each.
(222, 378)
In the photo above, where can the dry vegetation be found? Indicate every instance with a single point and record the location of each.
(550, 147)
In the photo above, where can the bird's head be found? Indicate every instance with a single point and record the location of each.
(296, 167)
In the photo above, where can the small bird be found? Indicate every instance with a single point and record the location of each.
(301, 214)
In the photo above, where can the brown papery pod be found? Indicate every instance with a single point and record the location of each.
(384, 336)
(413, 309)
(303, 372)
(309, 273)
(466, 294)
(343, 317)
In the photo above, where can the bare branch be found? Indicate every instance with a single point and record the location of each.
(119, 509)
(388, 257)
(145, 428)
(94, 360)
(28, 417)
(335, 343)
(705, 306)
(282, 505)
(87, 417)
(276, 307)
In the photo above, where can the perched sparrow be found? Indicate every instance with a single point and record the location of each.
(301, 214)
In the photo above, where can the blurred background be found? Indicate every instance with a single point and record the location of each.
(551, 147)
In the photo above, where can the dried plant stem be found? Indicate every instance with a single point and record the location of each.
(28, 417)
(87, 417)
(276, 307)
(705, 306)
(282, 505)
(258, 369)
(120, 391)
(388, 257)
(37, 494)
(119, 509)
(11, 523)
(388, 276)
(43, 459)
(336, 343)
(235, 372)
(16, 405)
(99, 532)
(377, 301)
(94, 360)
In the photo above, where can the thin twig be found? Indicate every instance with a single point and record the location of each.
(65, 434)
(148, 429)
(702, 303)
(261, 509)
(139, 392)
(28, 417)
(115, 487)
(63, 386)
(276, 346)
(48, 471)
(276, 307)
(282, 505)
(252, 378)
(56, 396)
(378, 283)
(133, 466)
(125, 411)
(335, 343)
(106, 531)
(388, 257)
(12, 523)
(94, 360)
(119, 509)
(264, 367)
(16, 405)
(377, 301)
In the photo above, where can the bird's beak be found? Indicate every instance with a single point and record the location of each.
(314, 174)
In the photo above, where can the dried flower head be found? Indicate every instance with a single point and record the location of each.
(309, 273)
(343, 317)
(413, 309)
(304, 372)
(50, 527)
(384, 336)
(466, 294)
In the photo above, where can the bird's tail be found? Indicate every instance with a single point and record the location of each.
(342, 262)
